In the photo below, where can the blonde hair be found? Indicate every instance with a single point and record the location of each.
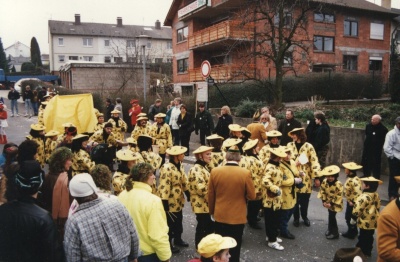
(227, 109)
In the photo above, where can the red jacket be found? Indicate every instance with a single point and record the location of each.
(3, 114)
(133, 112)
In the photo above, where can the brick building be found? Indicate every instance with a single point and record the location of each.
(351, 36)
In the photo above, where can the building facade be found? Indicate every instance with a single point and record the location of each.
(106, 43)
(352, 36)
(18, 53)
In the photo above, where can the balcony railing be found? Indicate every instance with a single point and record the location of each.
(223, 73)
(221, 31)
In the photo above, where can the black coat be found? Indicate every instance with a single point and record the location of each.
(185, 124)
(321, 136)
(27, 232)
(285, 126)
(373, 143)
(203, 121)
(222, 128)
(13, 95)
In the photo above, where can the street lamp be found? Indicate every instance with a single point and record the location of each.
(143, 41)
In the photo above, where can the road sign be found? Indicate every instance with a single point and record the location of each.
(205, 68)
(210, 81)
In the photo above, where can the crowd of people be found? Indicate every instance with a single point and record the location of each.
(102, 201)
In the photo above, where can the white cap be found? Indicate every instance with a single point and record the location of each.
(82, 185)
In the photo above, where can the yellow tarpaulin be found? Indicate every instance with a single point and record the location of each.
(76, 109)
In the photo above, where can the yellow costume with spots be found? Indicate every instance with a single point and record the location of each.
(119, 132)
(366, 209)
(81, 162)
(173, 183)
(198, 187)
(332, 194)
(162, 136)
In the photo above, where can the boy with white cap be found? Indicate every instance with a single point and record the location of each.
(100, 229)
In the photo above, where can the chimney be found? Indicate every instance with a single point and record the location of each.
(386, 4)
(119, 21)
(77, 19)
(158, 24)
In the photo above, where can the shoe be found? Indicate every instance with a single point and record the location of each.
(307, 222)
(12, 115)
(25, 115)
(288, 235)
(332, 236)
(349, 235)
(296, 223)
(275, 245)
(18, 114)
(255, 226)
(174, 249)
(327, 232)
(279, 240)
(30, 116)
(181, 243)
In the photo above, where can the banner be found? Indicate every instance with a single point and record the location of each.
(76, 109)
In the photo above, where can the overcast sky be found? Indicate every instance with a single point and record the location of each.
(20, 20)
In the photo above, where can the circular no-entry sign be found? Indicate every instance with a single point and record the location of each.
(205, 68)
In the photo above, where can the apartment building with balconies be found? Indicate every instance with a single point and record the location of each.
(351, 36)
(71, 41)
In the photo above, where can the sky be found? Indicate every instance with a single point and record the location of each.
(20, 20)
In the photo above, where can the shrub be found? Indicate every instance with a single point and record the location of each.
(247, 108)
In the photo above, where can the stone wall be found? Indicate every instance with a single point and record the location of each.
(346, 144)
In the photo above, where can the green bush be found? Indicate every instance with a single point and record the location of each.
(247, 108)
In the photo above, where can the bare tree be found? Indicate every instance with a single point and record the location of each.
(280, 39)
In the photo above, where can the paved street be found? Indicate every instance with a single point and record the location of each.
(310, 243)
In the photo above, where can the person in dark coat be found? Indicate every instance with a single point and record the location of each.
(287, 125)
(185, 123)
(203, 123)
(27, 232)
(321, 138)
(109, 107)
(224, 120)
(375, 133)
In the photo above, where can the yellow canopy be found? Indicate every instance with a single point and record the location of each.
(77, 109)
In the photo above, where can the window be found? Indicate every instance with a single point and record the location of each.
(60, 41)
(377, 31)
(169, 60)
(323, 43)
(106, 42)
(87, 42)
(169, 45)
(107, 59)
(187, 90)
(350, 28)
(73, 58)
(287, 19)
(288, 59)
(375, 63)
(327, 18)
(350, 62)
(131, 59)
(117, 59)
(158, 60)
(88, 58)
(130, 43)
(149, 44)
(182, 65)
(183, 34)
(61, 58)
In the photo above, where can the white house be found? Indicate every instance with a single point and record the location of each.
(106, 43)
(18, 53)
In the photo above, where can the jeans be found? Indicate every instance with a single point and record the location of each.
(28, 106)
(35, 108)
(14, 104)
(285, 217)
